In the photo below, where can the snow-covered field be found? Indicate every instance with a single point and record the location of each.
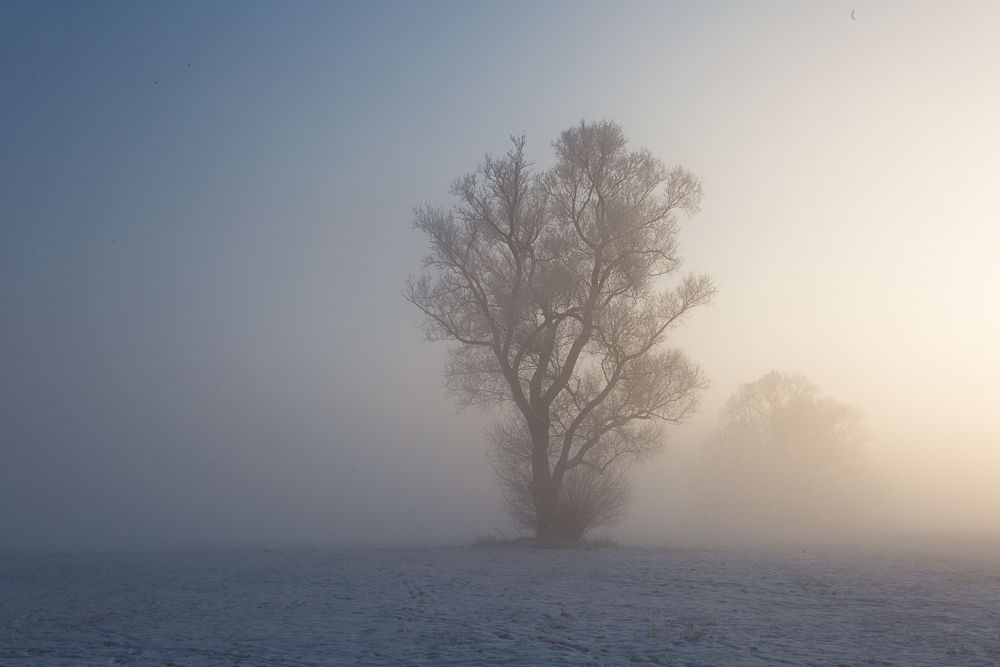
(833, 605)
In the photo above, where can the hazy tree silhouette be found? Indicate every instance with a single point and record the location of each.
(551, 284)
(783, 454)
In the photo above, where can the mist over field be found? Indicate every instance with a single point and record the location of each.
(205, 231)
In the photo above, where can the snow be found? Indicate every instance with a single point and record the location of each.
(797, 604)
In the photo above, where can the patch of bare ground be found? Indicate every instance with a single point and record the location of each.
(501, 540)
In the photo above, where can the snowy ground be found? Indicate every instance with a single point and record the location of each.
(467, 606)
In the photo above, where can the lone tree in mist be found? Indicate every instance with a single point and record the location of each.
(553, 286)
(782, 453)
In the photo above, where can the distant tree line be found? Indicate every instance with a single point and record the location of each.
(783, 454)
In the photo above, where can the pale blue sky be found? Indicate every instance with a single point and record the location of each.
(206, 228)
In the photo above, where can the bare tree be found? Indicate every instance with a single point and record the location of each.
(784, 455)
(550, 284)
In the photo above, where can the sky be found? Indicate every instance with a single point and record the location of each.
(205, 228)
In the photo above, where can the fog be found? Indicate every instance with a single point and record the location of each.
(205, 230)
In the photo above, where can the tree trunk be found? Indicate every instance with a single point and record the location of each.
(544, 488)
